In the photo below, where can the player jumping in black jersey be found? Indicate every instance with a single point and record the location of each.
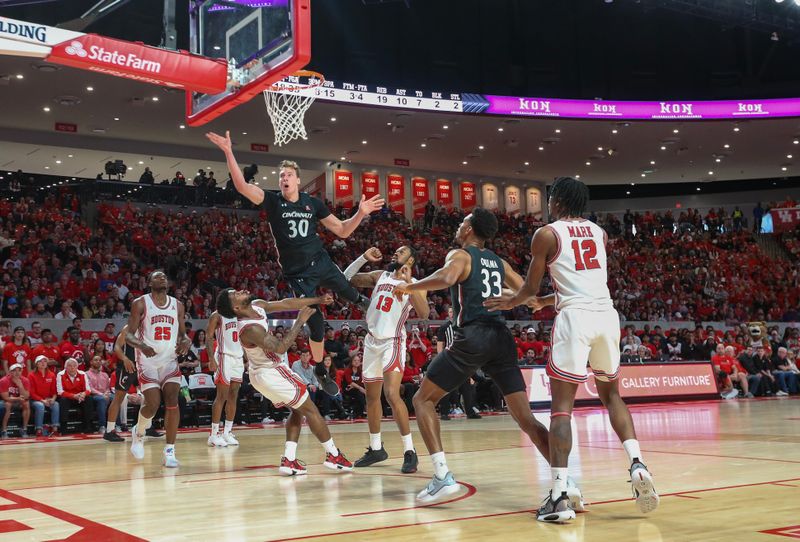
(293, 217)
(481, 341)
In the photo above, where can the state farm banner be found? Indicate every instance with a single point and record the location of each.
(419, 195)
(656, 380)
(397, 193)
(444, 193)
(176, 69)
(467, 196)
(370, 184)
(785, 219)
(343, 188)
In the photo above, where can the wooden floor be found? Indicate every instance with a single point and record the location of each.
(726, 471)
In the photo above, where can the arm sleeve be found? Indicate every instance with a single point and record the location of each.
(355, 267)
(320, 209)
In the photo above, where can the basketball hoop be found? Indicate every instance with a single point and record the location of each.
(287, 102)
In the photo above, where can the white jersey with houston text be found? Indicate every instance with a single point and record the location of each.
(256, 356)
(578, 270)
(386, 316)
(227, 336)
(159, 330)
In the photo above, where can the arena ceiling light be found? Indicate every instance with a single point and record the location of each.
(480, 147)
(333, 119)
(20, 76)
(423, 145)
(541, 148)
(46, 109)
(558, 130)
(796, 141)
(614, 131)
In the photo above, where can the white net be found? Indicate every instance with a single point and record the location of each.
(286, 107)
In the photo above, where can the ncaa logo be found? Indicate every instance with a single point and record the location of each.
(76, 49)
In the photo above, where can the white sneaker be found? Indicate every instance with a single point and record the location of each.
(781, 393)
(216, 440)
(267, 420)
(575, 496)
(643, 490)
(230, 439)
(137, 444)
(170, 460)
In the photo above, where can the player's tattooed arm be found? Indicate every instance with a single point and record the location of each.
(250, 191)
(184, 342)
(293, 303)
(119, 350)
(270, 343)
(135, 318)
(454, 266)
(213, 324)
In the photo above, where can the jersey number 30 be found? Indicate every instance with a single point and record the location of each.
(585, 254)
(298, 227)
(492, 283)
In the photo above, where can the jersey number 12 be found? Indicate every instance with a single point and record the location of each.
(585, 254)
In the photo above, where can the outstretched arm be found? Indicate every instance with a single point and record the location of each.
(543, 245)
(250, 191)
(293, 303)
(343, 228)
(454, 267)
(364, 280)
(258, 335)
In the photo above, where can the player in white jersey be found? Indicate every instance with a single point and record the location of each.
(586, 329)
(275, 380)
(385, 348)
(226, 359)
(159, 338)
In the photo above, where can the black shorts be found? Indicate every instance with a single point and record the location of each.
(322, 273)
(125, 379)
(479, 345)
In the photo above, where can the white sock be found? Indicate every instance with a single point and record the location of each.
(632, 449)
(143, 424)
(330, 447)
(169, 448)
(559, 481)
(439, 465)
(375, 441)
(290, 450)
(408, 443)
(110, 427)
(228, 426)
(214, 429)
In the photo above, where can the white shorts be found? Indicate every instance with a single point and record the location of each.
(580, 336)
(280, 385)
(229, 369)
(157, 376)
(383, 356)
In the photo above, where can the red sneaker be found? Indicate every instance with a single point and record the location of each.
(291, 468)
(338, 462)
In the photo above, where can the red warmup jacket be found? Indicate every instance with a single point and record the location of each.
(68, 387)
(42, 386)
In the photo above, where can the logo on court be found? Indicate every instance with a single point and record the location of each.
(76, 49)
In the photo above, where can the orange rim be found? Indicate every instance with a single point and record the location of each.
(316, 77)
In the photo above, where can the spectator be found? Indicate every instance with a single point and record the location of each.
(98, 348)
(336, 349)
(630, 337)
(66, 312)
(630, 354)
(758, 215)
(530, 358)
(754, 375)
(100, 389)
(11, 308)
(331, 403)
(35, 334)
(787, 379)
(147, 177)
(14, 391)
(673, 349)
(198, 361)
(419, 347)
(764, 365)
(72, 347)
(18, 350)
(410, 383)
(49, 349)
(73, 391)
(354, 386)
(44, 396)
(305, 371)
(645, 354)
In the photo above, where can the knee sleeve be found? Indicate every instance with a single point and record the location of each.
(316, 327)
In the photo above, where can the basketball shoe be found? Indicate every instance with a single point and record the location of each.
(555, 511)
(112, 436)
(137, 445)
(575, 496)
(230, 439)
(338, 462)
(292, 468)
(371, 457)
(410, 462)
(169, 460)
(438, 489)
(217, 441)
(642, 486)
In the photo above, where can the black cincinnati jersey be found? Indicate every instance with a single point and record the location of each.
(485, 280)
(125, 379)
(294, 227)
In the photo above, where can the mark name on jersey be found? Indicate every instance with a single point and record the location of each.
(162, 319)
(580, 231)
(489, 263)
(296, 214)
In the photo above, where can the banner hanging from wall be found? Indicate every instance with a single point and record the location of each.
(343, 188)
(397, 193)
(444, 193)
(468, 201)
(785, 219)
(420, 195)
(370, 184)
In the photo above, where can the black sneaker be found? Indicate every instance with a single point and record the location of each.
(371, 457)
(410, 462)
(112, 436)
(558, 511)
(474, 416)
(444, 417)
(153, 432)
(328, 385)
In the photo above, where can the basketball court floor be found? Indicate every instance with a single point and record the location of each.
(725, 471)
